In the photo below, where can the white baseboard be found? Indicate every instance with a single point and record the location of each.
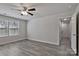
(9, 41)
(43, 41)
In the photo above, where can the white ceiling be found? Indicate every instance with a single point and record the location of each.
(42, 9)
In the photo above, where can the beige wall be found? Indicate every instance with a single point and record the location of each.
(22, 32)
(45, 29)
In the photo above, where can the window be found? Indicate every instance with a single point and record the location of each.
(13, 27)
(9, 27)
(3, 28)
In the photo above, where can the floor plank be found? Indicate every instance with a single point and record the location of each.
(34, 48)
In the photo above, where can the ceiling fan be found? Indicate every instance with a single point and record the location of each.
(25, 10)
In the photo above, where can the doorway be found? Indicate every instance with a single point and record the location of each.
(65, 32)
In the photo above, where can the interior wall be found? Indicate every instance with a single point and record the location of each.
(22, 32)
(73, 24)
(45, 29)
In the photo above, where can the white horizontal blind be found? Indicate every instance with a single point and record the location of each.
(9, 27)
(3, 28)
(13, 27)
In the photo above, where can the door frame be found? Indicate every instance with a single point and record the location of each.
(77, 29)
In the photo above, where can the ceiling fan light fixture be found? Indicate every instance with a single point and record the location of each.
(24, 13)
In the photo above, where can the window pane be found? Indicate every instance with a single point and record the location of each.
(13, 27)
(3, 28)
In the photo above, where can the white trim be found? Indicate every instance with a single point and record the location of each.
(74, 50)
(9, 41)
(54, 43)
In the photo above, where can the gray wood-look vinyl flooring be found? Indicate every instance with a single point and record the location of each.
(33, 48)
